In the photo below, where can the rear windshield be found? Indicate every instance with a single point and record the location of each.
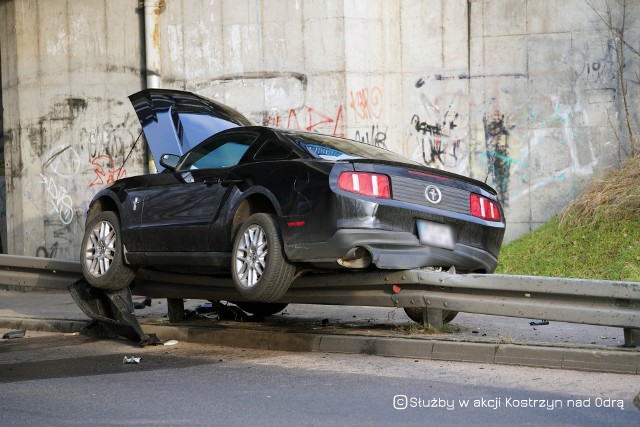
(333, 148)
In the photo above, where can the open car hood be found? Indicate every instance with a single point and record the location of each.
(174, 121)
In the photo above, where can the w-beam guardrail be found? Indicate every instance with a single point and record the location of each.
(594, 302)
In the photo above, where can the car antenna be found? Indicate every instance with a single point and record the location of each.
(130, 151)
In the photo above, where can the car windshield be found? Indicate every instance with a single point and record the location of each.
(333, 148)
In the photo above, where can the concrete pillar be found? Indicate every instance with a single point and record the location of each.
(67, 69)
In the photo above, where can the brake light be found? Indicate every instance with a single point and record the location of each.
(365, 183)
(484, 208)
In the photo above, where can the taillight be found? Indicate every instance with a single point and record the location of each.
(484, 208)
(365, 183)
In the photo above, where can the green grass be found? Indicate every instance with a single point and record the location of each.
(596, 237)
(608, 250)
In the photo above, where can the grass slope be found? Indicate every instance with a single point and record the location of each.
(596, 237)
(608, 251)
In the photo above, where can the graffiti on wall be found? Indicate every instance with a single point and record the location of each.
(63, 161)
(439, 130)
(106, 171)
(306, 118)
(596, 69)
(366, 103)
(497, 145)
(59, 199)
(55, 191)
(366, 108)
(436, 143)
(372, 136)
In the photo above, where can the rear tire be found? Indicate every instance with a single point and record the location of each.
(261, 308)
(415, 314)
(259, 269)
(102, 262)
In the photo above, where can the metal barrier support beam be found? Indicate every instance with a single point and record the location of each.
(631, 337)
(175, 309)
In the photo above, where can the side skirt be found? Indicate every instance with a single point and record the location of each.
(218, 260)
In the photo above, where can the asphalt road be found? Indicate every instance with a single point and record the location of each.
(55, 379)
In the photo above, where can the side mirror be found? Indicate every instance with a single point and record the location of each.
(169, 161)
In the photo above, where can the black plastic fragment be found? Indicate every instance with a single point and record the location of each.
(539, 323)
(14, 334)
(141, 305)
(114, 310)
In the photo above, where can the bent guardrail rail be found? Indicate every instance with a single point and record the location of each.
(594, 302)
(34, 272)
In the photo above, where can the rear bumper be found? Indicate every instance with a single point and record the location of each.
(393, 250)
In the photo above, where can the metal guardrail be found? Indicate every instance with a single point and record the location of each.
(594, 302)
(32, 272)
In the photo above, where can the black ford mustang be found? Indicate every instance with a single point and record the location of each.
(262, 203)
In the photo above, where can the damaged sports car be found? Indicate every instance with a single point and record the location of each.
(263, 205)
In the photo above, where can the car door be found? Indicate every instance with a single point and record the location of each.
(177, 213)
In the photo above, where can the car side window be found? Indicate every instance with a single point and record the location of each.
(217, 152)
(273, 150)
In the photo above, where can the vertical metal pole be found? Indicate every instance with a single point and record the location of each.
(631, 337)
(433, 318)
(175, 309)
(152, 42)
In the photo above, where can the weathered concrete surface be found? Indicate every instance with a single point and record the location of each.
(67, 68)
(523, 94)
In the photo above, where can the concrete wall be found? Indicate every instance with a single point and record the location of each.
(67, 67)
(545, 104)
(522, 93)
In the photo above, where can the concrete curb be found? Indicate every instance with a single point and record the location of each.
(617, 361)
(45, 325)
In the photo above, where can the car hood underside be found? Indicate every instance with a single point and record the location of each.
(175, 121)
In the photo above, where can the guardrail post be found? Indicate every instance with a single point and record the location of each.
(432, 317)
(631, 337)
(175, 309)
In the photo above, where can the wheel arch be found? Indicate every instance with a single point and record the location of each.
(255, 202)
(102, 203)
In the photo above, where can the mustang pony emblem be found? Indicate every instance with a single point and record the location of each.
(433, 194)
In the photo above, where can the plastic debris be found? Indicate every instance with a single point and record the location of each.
(131, 360)
(539, 323)
(140, 305)
(218, 311)
(171, 342)
(14, 334)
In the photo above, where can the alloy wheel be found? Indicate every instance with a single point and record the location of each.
(100, 249)
(251, 256)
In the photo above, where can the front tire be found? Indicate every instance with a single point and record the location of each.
(259, 269)
(102, 262)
